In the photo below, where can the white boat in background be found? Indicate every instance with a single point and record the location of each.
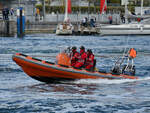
(88, 26)
(88, 30)
(125, 29)
(133, 28)
(65, 28)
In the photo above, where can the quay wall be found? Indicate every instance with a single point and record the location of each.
(44, 27)
(8, 28)
(49, 24)
(40, 27)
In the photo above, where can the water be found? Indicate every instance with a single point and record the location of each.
(21, 94)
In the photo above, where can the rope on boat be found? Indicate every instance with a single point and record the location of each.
(124, 53)
(118, 62)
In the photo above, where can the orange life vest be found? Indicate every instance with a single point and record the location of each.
(132, 53)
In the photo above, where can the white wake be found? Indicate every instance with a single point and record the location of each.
(107, 81)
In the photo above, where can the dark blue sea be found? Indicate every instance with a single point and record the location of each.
(21, 94)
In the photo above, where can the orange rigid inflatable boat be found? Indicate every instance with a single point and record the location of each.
(48, 72)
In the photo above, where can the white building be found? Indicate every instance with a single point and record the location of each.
(73, 2)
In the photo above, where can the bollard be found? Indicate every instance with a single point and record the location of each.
(20, 22)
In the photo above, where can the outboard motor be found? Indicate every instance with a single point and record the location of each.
(116, 70)
(128, 70)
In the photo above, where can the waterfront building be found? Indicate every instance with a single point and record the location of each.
(73, 2)
(83, 2)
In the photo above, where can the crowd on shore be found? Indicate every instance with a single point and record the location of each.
(6, 12)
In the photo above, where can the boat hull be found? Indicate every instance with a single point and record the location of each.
(64, 29)
(47, 71)
(88, 30)
(63, 32)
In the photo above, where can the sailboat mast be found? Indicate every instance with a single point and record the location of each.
(126, 11)
(141, 7)
(66, 10)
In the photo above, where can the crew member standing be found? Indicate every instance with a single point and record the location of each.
(132, 55)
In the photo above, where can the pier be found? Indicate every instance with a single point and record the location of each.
(8, 28)
(50, 27)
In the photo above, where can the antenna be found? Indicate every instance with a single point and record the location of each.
(66, 10)
(126, 11)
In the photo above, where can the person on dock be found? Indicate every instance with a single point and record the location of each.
(12, 11)
(37, 14)
(5, 13)
(110, 19)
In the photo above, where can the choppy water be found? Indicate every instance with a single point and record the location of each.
(21, 94)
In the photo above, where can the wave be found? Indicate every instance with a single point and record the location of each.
(7, 69)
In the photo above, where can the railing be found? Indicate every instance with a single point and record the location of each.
(75, 18)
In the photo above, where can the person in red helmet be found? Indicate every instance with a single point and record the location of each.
(74, 56)
(89, 60)
(82, 58)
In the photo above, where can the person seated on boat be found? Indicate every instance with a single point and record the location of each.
(74, 55)
(86, 22)
(68, 51)
(92, 22)
(61, 26)
(83, 23)
(64, 25)
(90, 61)
(81, 59)
(122, 18)
(68, 21)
